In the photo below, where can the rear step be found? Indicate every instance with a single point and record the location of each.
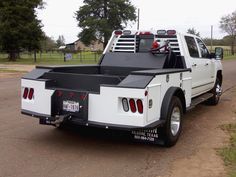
(199, 99)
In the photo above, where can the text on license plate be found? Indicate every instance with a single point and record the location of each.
(71, 106)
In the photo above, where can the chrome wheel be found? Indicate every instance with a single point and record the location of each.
(218, 91)
(175, 121)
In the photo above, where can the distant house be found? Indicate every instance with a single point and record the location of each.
(62, 47)
(78, 45)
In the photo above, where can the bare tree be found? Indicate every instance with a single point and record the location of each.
(60, 41)
(193, 31)
(228, 25)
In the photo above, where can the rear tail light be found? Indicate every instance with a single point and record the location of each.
(132, 105)
(25, 94)
(28, 93)
(140, 106)
(125, 104)
(31, 94)
(59, 93)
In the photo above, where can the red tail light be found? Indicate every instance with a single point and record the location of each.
(118, 33)
(171, 32)
(31, 94)
(59, 93)
(140, 106)
(132, 105)
(26, 91)
(145, 33)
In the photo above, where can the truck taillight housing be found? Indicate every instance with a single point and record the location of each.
(132, 105)
(25, 94)
(125, 104)
(31, 94)
(28, 93)
(140, 106)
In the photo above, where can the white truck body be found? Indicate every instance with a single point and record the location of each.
(105, 107)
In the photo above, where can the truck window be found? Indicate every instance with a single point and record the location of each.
(203, 49)
(145, 45)
(145, 42)
(192, 47)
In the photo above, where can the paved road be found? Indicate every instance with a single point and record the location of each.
(28, 149)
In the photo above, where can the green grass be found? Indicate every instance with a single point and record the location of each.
(230, 57)
(224, 47)
(55, 58)
(229, 153)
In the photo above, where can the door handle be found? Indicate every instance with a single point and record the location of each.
(194, 65)
(206, 64)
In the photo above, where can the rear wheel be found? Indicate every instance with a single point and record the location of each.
(216, 91)
(172, 129)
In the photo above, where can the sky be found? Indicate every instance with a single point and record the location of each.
(58, 16)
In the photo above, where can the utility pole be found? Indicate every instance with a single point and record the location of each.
(211, 37)
(138, 19)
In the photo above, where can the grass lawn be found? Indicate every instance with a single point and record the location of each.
(230, 57)
(53, 59)
(57, 58)
(229, 153)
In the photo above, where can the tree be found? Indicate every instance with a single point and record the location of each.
(193, 31)
(48, 44)
(19, 27)
(60, 41)
(228, 25)
(98, 18)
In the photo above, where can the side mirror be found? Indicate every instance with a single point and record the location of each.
(219, 53)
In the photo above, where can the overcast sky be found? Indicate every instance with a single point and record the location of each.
(58, 16)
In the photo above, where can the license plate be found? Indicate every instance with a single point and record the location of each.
(71, 106)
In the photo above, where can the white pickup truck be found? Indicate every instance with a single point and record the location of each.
(144, 83)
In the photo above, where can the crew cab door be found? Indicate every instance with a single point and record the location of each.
(201, 77)
(209, 63)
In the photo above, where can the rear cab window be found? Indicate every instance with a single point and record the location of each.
(145, 42)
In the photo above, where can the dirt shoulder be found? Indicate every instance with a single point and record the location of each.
(204, 161)
(23, 68)
(13, 71)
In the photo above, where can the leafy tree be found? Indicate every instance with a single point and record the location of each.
(60, 41)
(228, 25)
(19, 27)
(98, 18)
(193, 31)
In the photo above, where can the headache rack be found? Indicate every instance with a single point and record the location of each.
(130, 43)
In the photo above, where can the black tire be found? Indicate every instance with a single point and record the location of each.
(214, 100)
(167, 135)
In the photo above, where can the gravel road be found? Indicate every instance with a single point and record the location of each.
(28, 149)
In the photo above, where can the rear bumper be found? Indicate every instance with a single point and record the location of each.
(48, 120)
